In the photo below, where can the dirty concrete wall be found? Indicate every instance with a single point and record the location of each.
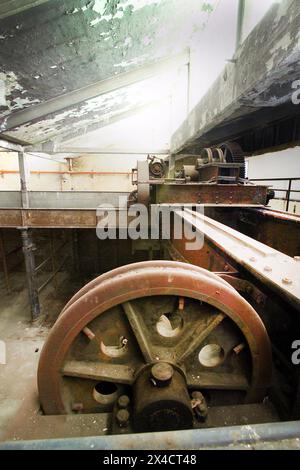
(218, 42)
(281, 164)
(258, 80)
(12, 245)
(99, 256)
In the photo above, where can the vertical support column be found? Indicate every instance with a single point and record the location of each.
(28, 246)
(28, 250)
(288, 196)
(240, 23)
(24, 179)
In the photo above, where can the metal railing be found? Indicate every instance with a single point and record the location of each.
(288, 191)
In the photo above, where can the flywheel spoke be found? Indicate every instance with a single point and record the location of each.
(99, 371)
(193, 340)
(217, 381)
(139, 331)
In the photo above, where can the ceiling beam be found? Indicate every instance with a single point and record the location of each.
(40, 111)
(12, 7)
(9, 146)
(61, 139)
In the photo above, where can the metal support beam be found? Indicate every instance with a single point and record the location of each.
(273, 269)
(60, 140)
(38, 112)
(23, 169)
(28, 250)
(12, 7)
(252, 91)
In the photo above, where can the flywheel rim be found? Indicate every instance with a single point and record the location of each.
(123, 269)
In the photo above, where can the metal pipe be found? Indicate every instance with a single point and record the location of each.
(233, 437)
(62, 172)
(10, 146)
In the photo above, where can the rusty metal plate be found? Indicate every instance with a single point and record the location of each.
(10, 218)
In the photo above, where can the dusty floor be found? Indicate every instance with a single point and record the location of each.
(23, 341)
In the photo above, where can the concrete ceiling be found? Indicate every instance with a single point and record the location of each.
(12, 7)
(69, 66)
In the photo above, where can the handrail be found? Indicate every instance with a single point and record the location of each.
(288, 191)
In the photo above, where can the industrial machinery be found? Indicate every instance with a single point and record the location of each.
(197, 337)
(215, 177)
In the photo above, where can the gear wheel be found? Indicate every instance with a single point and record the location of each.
(233, 153)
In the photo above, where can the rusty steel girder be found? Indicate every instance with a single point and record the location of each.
(229, 194)
(124, 322)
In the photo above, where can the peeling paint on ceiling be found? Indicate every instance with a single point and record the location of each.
(14, 94)
(60, 46)
(98, 110)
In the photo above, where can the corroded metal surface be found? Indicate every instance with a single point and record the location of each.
(50, 218)
(276, 270)
(274, 228)
(129, 304)
(209, 193)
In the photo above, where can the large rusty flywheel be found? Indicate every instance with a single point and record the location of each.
(154, 332)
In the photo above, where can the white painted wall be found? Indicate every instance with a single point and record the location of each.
(37, 182)
(9, 162)
(282, 164)
(105, 164)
